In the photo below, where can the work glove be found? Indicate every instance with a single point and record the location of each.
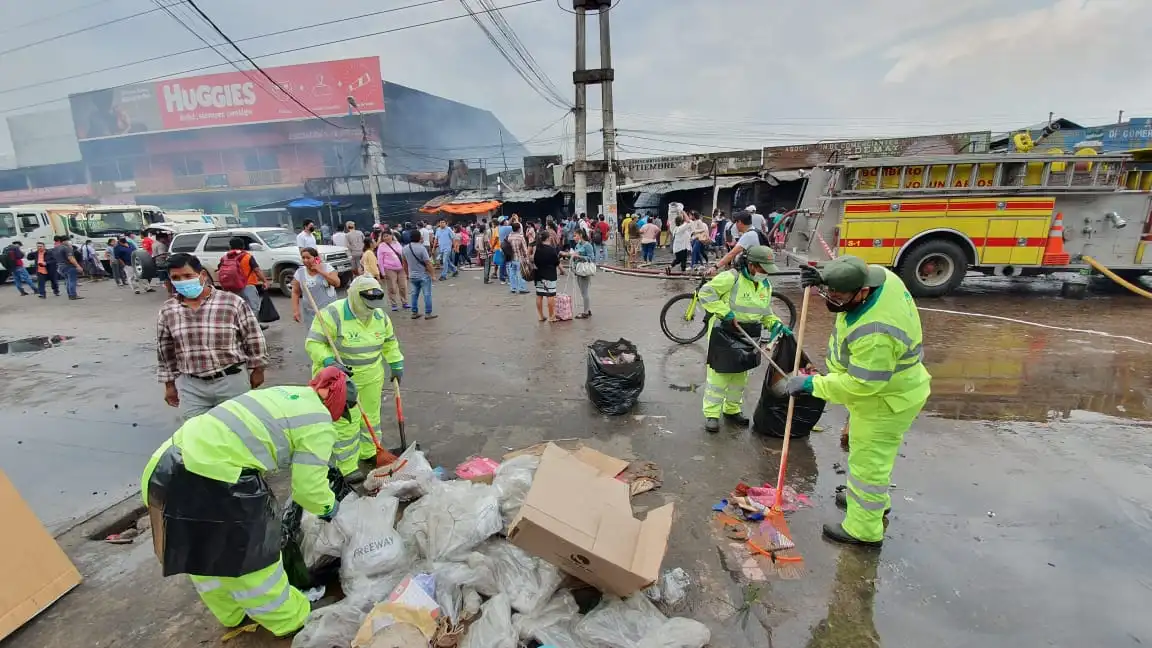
(397, 370)
(777, 329)
(798, 385)
(810, 276)
(327, 517)
(331, 362)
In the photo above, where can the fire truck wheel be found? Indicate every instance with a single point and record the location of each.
(933, 268)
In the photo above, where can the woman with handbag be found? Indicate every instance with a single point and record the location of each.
(583, 255)
(546, 261)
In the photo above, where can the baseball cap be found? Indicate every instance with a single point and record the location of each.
(762, 256)
(849, 274)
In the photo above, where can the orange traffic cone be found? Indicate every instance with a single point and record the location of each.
(1054, 253)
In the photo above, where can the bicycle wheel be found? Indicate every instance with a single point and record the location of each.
(784, 309)
(676, 323)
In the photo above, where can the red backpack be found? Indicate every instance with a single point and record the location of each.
(229, 273)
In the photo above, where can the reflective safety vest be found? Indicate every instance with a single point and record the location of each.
(264, 429)
(732, 292)
(877, 352)
(363, 346)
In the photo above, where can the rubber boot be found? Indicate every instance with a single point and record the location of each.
(836, 533)
(737, 419)
(711, 425)
(842, 502)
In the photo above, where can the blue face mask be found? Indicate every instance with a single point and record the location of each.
(190, 288)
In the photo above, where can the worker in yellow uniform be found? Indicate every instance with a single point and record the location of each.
(363, 334)
(876, 370)
(739, 297)
(215, 517)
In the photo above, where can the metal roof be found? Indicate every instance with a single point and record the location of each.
(514, 195)
(685, 184)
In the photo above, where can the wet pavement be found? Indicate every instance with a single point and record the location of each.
(1022, 509)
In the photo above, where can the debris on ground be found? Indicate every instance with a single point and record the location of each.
(492, 558)
(615, 376)
(751, 546)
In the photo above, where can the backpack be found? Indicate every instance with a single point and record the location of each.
(8, 261)
(506, 248)
(597, 235)
(634, 230)
(764, 240)
(229, 274)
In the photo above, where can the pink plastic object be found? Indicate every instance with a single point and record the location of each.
(476, 467)
(766, 496)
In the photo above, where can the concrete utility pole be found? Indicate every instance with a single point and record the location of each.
(583, 78)
(369, 162)
(580, 179)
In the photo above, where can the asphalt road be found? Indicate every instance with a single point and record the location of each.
(1021, 517)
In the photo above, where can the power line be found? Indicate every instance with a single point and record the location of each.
(121, 66)
(292, 50)
(43, 41)
(37, 21)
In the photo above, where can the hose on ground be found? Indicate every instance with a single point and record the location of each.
(1117, 278)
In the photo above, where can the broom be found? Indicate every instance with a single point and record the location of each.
(383, 457)
(787, 560)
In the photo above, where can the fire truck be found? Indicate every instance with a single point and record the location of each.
(933, 219)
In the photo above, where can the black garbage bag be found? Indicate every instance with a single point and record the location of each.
(299, 574)
(615, 376)
(772, 410)
(268, 312)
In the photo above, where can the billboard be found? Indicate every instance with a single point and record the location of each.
(804, 156)
(1113, 138)
(229, 99)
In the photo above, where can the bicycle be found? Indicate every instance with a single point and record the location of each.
(692, 324)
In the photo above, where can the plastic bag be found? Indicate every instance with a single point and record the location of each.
(553, 624)
(671, 589)
(303, 558)
(678, 633)
(615, 376)
(364, 531)
(772, 410)
(411, 602)
(494, 627)
(408, 478)
(621, 623)
(458, 585)
(513, 480)
(334, 625)
(528, 580)
(452, 519)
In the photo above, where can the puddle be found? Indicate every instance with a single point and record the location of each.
(28, 345)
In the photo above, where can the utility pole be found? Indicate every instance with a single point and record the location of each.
(603, 76)
(369, 162)
(581, 110)
(1120, 117)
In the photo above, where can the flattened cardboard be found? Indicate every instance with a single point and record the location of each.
(36, 571)
(578, 517)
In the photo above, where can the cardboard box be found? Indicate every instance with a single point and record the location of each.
(36, 571)
(578, 517)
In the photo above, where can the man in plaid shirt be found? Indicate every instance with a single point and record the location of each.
(205, 338)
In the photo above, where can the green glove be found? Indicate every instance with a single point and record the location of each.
(397, 370)
(729, 316)
(777, 329)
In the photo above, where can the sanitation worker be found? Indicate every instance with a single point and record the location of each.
(363, 334)
(876, 370)
(214, 516)
(740, 297)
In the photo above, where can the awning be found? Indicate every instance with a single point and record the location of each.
(470, 208)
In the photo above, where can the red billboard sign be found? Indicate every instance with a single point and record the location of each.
(230, 99)
(44, 193)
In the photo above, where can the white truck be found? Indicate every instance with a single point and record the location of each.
(274, 249)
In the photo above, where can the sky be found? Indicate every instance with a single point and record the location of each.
(691, 75)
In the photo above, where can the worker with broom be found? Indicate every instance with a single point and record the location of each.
(214, 516)
(876, 370)
(740, 303)
(364, 341)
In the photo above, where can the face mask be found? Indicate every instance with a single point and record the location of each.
(190, 288)
(760, 277)
(841, 307)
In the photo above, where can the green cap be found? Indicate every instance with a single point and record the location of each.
(762, 256)
(849, 274)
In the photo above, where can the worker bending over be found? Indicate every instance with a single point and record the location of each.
(363, 335)
(741, 296)
(220, 523)
(876, 370)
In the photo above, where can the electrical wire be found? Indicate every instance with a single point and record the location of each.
(57, 37)
(36, 21)
(312, 26)
(41, 103)
(614, 5)
(497, 18)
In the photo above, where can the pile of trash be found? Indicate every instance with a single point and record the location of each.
(471, 562)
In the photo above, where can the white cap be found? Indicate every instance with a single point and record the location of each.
(750, 208)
